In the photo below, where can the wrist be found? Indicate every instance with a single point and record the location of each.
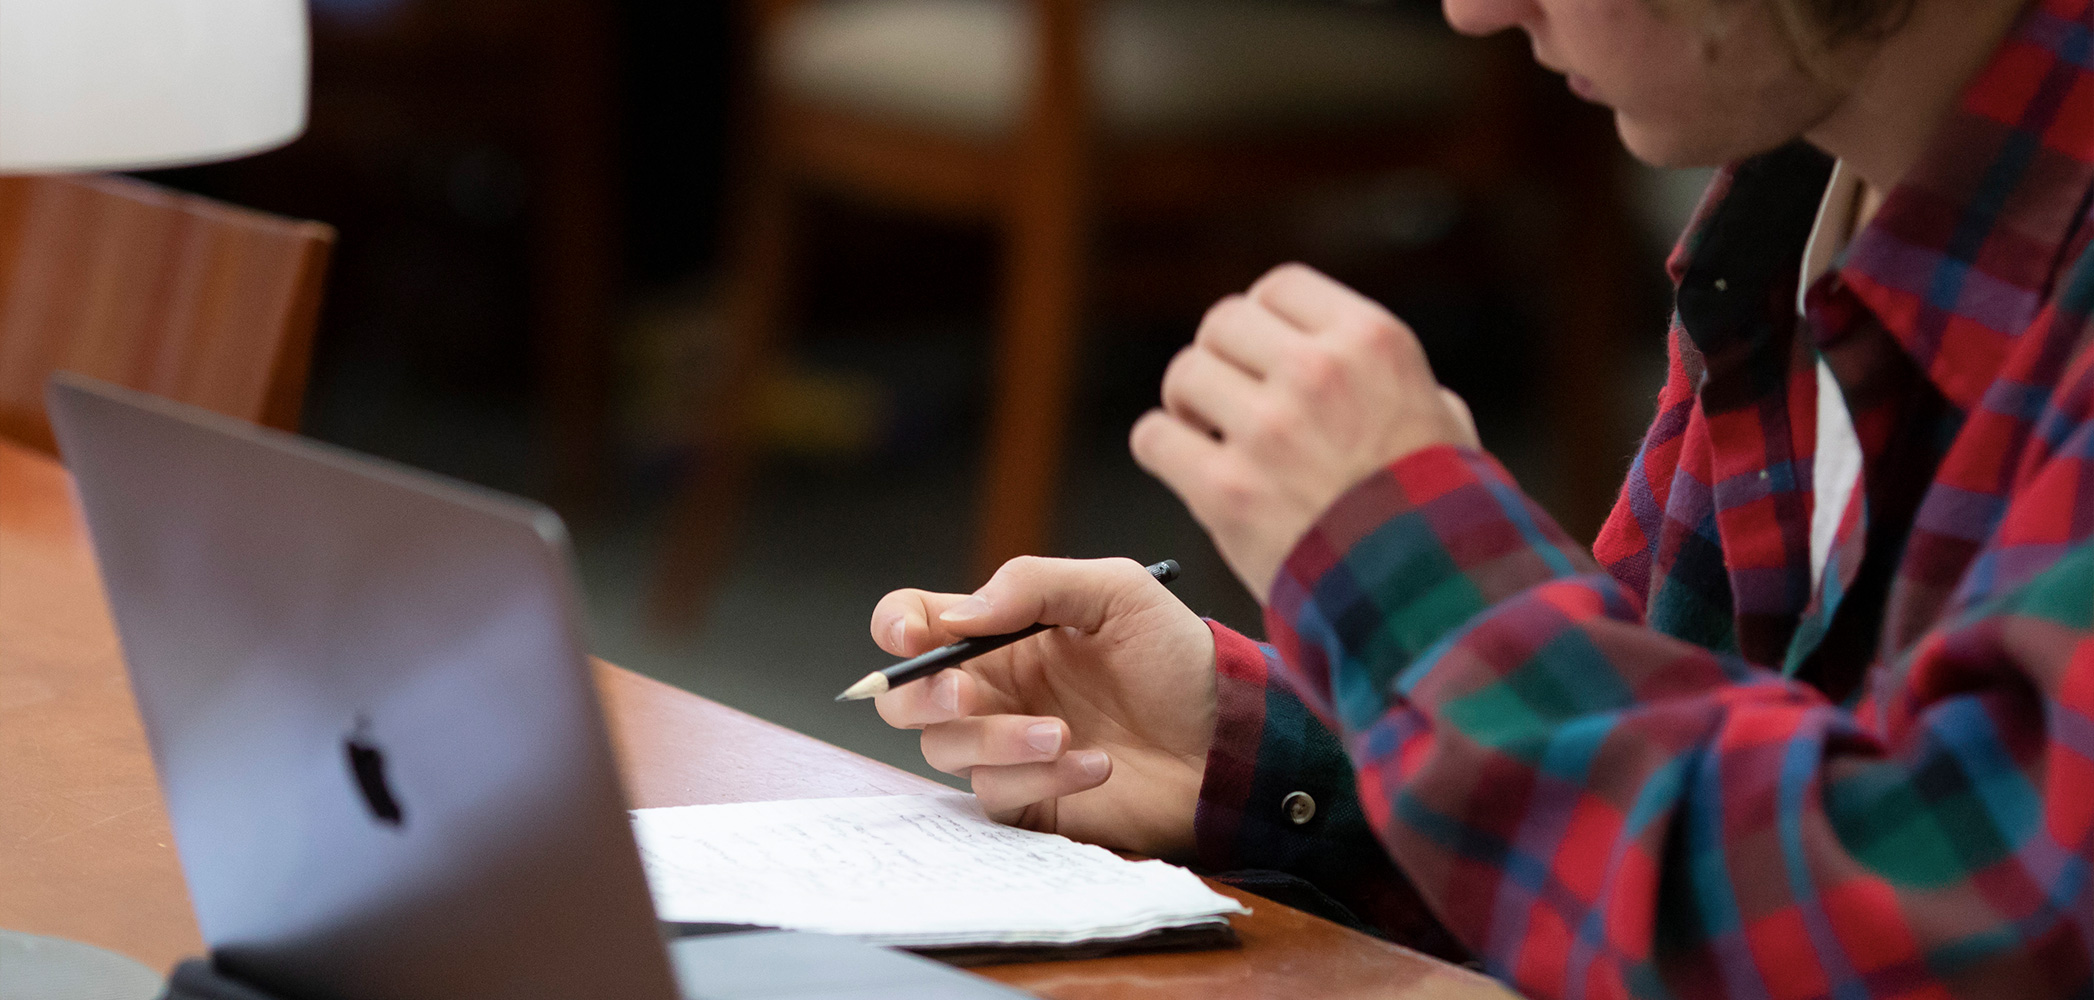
(1180, 775)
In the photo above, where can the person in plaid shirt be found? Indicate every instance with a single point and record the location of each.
(1814, 718)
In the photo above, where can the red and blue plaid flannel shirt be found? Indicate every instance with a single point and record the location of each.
(1682, 769)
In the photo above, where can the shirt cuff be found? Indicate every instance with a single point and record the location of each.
(1280, 794)
(1243, 679)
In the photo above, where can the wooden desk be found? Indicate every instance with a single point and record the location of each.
(85, 851)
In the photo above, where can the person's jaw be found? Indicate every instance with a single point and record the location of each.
(1900, 95)
(1749, 87)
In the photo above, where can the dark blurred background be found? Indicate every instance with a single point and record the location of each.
(548, 211)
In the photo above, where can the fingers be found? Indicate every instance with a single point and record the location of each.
(941, 697)
(1014, 761)
(1347, 332)
(1206, 391)
(1174, 451)
(1310, 300)
(892, 616)
(1004, 791)
(993, 740)
(906, 622)
(1028, 589)
(1247, 334)
(1078, 593)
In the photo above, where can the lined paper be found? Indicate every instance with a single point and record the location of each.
(908, 871)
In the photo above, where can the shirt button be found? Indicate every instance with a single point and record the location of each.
(1300, 808)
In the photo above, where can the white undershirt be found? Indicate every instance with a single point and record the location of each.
(1836, 467)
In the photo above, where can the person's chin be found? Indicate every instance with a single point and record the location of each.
(1674, 147)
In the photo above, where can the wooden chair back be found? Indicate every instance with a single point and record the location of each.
(168, 293)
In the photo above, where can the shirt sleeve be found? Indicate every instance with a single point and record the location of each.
(1599, 809)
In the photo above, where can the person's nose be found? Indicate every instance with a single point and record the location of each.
(1485, 17)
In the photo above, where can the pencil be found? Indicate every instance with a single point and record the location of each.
(880, 682)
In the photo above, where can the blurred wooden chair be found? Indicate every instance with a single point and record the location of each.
(169, 293)
(478, 89)
(1042, 118)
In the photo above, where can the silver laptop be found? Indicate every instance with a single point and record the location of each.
(377, 734)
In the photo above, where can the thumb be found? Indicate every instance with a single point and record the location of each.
(1079, 593)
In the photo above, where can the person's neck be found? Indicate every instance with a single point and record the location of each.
(1908, 87)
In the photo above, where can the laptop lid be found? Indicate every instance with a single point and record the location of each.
(374, 725)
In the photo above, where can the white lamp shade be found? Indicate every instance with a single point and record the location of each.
(133, 84)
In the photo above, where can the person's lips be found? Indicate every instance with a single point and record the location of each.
(1579, 85)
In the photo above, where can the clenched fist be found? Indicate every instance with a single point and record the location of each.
(1289, 395)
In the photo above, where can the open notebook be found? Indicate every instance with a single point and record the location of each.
(911, 871)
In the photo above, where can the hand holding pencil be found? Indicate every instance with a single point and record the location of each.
(954, 653)
(1098, 730)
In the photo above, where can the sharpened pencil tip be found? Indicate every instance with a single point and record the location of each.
(871, 685)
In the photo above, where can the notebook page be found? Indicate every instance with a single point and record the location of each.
(915, 870)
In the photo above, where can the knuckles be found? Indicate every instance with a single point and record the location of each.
(1314, 369)
(1269, 423)
(1379, 336)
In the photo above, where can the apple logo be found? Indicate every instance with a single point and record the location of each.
(367, 765)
